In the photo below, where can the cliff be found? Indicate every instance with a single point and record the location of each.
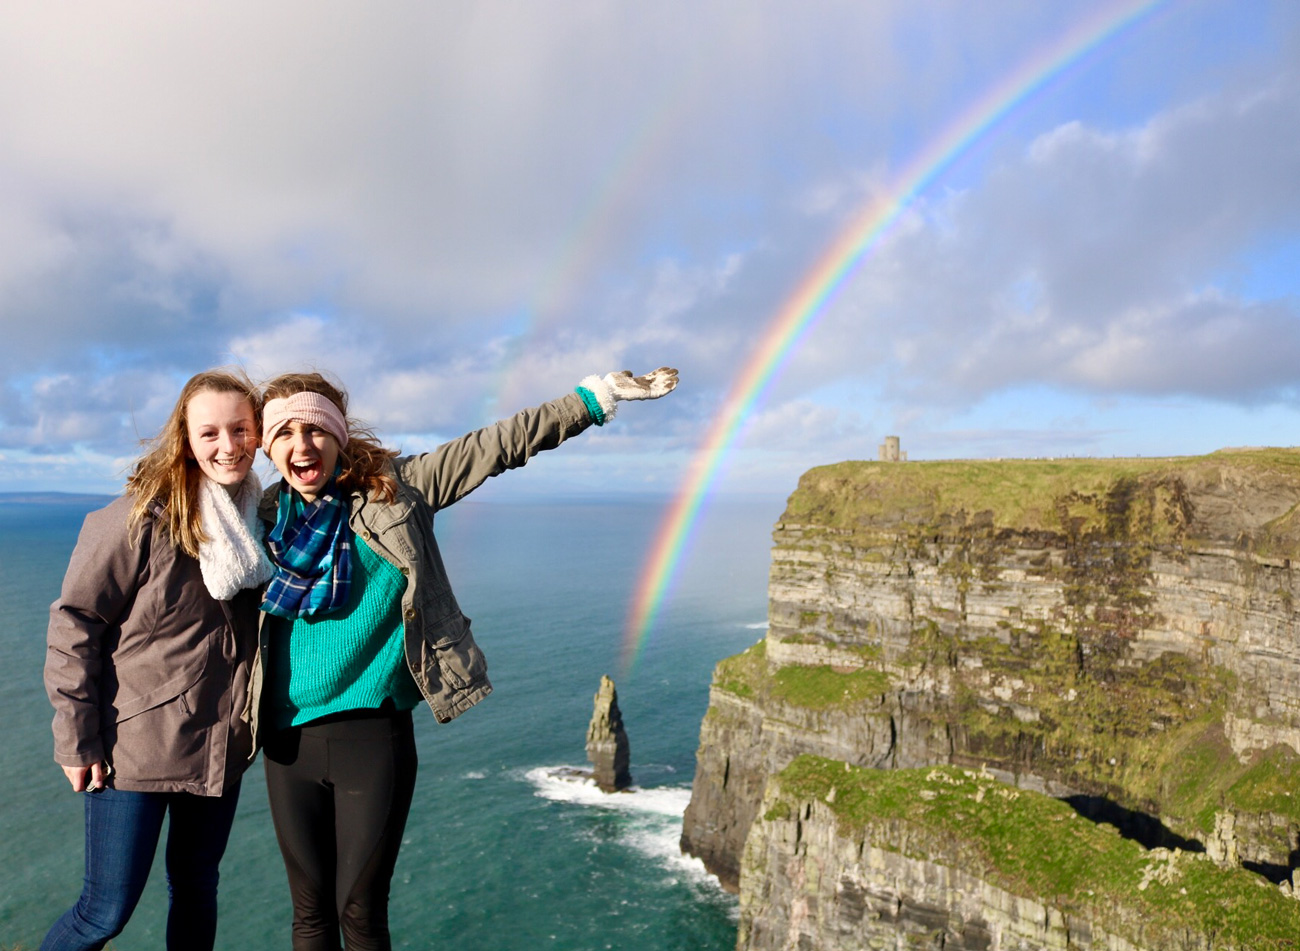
(1117, 634)
(847, 859)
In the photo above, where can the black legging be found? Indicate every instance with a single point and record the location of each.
(340, 790)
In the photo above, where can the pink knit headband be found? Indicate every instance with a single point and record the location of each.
(306, 407)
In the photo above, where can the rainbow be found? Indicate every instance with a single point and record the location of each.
(799, 312)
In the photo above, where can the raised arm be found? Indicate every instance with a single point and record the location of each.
(456, 468)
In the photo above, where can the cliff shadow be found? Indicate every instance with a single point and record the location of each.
(1141, 827)
(1277, 874)
(1150, 833)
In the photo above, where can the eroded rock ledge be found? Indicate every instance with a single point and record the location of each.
(844, 859)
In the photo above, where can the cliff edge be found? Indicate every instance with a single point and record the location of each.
(1117, 634)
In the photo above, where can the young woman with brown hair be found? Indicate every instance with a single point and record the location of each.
(362, 626)
(151, 653)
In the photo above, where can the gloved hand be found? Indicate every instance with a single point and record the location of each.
(624, 386)
(601, 394)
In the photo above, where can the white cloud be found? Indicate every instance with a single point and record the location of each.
(808, 430)
(1101, 260)
(459, 209)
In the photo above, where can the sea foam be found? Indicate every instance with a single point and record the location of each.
(654, 816)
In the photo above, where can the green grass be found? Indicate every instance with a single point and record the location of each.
(1192, 773)
(1271, 783)
(1057, 495)
(1036, 846)
(821, 688)
(743, 674)
(747, 675)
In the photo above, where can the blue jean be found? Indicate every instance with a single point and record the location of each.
(122, 832)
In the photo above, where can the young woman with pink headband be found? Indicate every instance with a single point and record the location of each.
(362, 626)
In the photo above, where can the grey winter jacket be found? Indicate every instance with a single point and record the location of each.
(447, 664)
(145, 669)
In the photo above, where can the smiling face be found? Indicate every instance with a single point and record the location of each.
(305, 455)
(222, 435)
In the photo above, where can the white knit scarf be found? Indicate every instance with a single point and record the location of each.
(233, 557)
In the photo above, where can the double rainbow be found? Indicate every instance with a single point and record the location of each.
(798, 314)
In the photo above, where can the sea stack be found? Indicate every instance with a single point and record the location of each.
(607, 746)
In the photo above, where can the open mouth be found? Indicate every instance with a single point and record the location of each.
(308, 472)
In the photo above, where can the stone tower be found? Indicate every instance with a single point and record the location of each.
(889, 450)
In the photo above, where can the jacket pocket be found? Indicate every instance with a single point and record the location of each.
(125, 707)
(452, 656)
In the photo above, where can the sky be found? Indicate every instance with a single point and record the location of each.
(458, 209)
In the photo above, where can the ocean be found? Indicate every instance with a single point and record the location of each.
(501, 850)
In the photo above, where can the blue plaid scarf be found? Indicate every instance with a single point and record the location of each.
(312, 555)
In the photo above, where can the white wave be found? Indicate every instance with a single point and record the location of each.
(654, 826)
(663, 846)
(475, 774)
(759, 626)
(574, 784)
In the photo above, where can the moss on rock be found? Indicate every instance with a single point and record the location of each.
(1037, 847)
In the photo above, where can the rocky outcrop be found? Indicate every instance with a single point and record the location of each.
(1120, 634)
(607, 744)
(848, 859)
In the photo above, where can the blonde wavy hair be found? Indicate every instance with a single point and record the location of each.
(168, 474)
(367, 466)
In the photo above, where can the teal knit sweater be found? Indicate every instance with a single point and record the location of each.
(350, 659)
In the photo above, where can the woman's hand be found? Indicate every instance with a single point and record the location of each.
(77, 776)
(624, 386)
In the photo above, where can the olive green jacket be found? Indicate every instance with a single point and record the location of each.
(441, 653)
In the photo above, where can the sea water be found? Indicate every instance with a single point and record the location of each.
(503, 849)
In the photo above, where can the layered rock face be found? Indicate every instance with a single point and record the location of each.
(607, 743)
(847, 859)
(1118, 633)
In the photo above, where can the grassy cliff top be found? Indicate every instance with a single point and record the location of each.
(1038, 847)
(1221, 495)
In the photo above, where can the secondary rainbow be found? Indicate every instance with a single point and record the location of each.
(800, 310)
(594, 220)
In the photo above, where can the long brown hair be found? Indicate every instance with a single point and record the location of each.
(367, 465)
(167, 473)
